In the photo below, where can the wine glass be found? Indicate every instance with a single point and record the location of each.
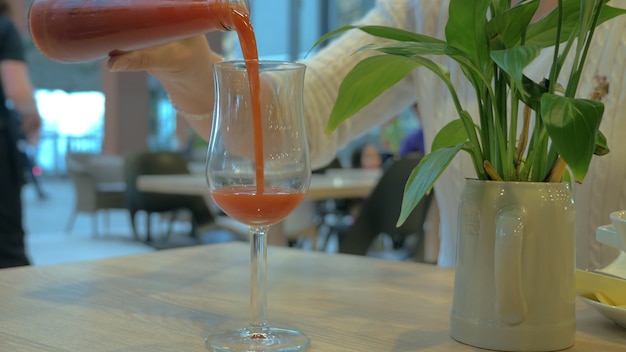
(258, 172)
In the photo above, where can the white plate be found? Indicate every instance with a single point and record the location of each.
(616, 314)
(606, 234)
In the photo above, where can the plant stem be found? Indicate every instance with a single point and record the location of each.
(511, 163)
(475, 152)
(491, 171)
(555, 59)
(556, 173)
(468, 123)
(499, 160)
(523, 141)
(572, 86)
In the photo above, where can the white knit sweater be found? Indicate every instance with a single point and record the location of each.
(604, 189)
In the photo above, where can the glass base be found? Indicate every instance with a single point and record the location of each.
(266, 339)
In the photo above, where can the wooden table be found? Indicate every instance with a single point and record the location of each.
(337, 184)
(169, 300)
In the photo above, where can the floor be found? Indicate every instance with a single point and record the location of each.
(49, 241)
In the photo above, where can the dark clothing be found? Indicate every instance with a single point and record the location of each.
(12, 247)
(412, 143)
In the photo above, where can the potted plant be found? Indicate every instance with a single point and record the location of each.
(526, 134)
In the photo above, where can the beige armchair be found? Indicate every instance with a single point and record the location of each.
(98, 184)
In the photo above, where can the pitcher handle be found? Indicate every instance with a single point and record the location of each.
(511, 307)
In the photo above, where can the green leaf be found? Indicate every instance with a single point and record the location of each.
(573, 126)
(423, 178)
(415, 49)
(586, 18)
(381, 32)
(369, 78)
(450, 135)
(602, 147)
(329, 35)
(609, 12)
(514, 60)
(543, 32)
(465, 29)
(398, 34)
(500, 6)
(533, 91)
(506, 29)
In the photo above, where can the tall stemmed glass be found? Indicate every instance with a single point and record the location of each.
(258, 178)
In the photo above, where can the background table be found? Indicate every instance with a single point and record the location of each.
(337, 184)
(169, 300)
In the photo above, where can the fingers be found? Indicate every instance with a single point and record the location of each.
(122, 62)
(184, 69)
(31, 124)
(170, 57)
(153, 59)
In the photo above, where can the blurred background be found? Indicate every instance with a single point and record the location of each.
(87, 109)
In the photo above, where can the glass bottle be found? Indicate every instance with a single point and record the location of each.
(87, 30)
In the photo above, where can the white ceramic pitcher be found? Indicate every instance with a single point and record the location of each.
(514, 278)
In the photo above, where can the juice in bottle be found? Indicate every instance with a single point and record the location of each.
(86, 30)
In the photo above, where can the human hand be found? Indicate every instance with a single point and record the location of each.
(31, 124)
(168, 62)
(183, 67)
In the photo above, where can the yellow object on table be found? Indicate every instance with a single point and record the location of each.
(608, 289)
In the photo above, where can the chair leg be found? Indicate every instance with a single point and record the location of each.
(170, 225)
(94, 224)
(330, 233)
(70, 223)
(107, 220)
(148, 227)
(132, 215)
(193, 233)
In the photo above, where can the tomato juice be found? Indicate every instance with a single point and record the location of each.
(85, 30)
(247, 40)
(247, 205)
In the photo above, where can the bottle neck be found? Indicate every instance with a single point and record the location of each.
(235, 7)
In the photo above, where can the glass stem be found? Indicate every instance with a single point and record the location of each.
(258, 279)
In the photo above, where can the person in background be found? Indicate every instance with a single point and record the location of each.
(413, 143)
(367, 157)
(16, 92)
(184, 69)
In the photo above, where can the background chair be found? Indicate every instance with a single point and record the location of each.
(98, 181)
(379, 214)
(333, 215)
(161, 163)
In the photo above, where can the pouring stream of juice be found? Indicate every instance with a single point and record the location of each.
(247, 40)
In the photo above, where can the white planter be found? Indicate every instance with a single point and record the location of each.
(514, 278)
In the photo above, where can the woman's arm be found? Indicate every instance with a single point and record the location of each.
(185, 71)
(16, 82)
(18, 88)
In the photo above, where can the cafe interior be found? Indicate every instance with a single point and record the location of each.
(138, 122)
(130, 253)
